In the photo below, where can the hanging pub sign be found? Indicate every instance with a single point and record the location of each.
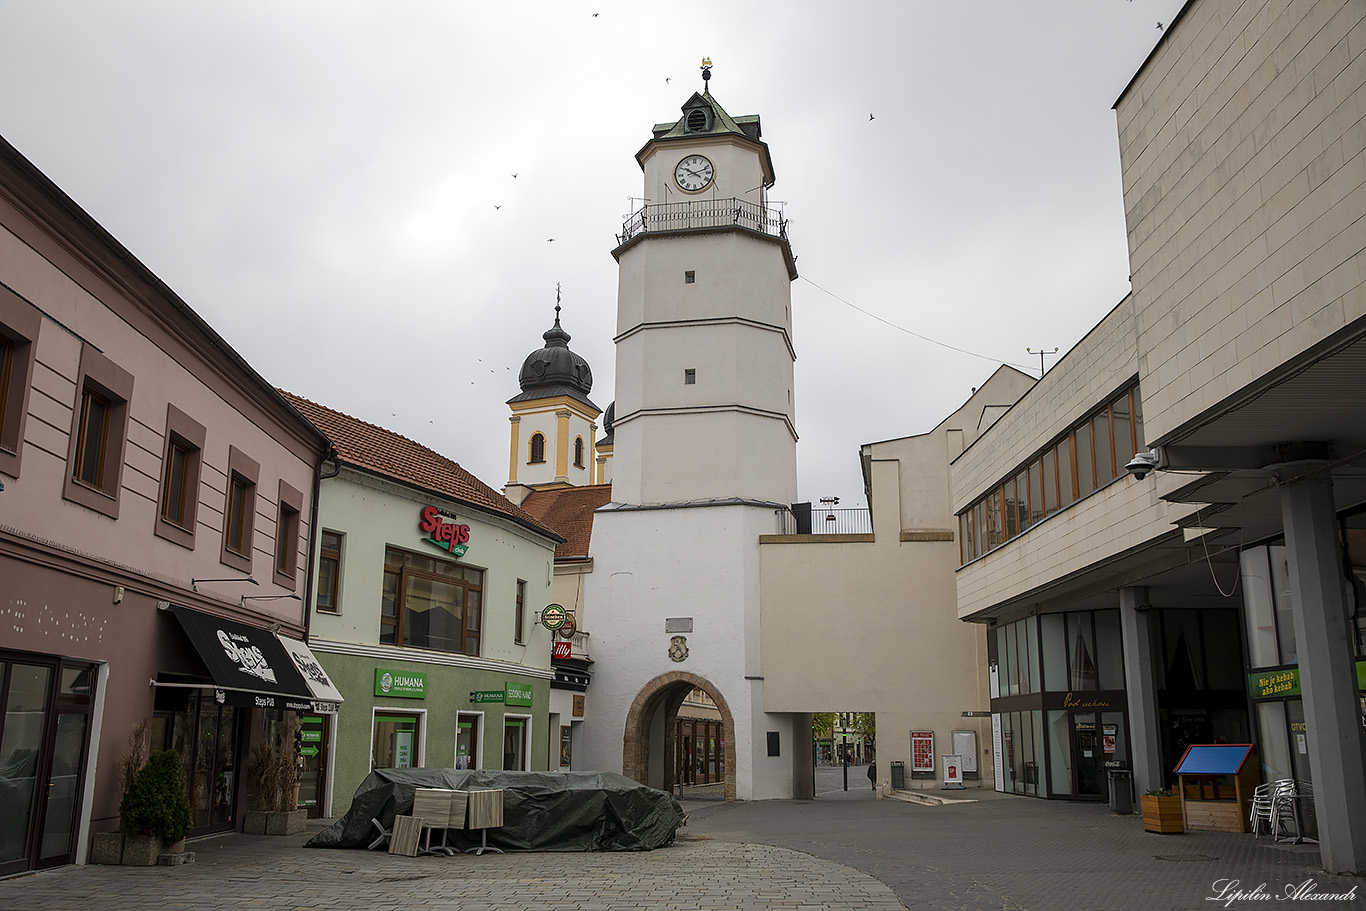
(553, 617)
(566, 629)
(562, 650)
(451, 537)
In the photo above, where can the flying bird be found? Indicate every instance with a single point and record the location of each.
(514, 173)
(667, 79)
(550, 240)
(870, 116)
(498, 207)
(1159, 26)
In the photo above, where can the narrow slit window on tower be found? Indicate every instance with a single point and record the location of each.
(689, 377)
(689, 277)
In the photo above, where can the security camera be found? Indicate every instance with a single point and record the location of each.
(1144, 462)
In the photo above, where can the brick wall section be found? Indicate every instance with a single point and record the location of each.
(1244, 176)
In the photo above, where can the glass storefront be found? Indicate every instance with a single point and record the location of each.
(205, 734)
(1058, 692)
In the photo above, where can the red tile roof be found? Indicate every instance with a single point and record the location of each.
(371, 448)
(569, 510)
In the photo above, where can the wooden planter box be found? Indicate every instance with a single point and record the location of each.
(273, 822)
(1162, 814)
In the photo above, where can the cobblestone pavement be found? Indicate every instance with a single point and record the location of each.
(844, 850)
(1021, 854)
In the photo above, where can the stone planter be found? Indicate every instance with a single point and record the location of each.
(106, 848)
(1162, 814)
(276, 822)
(131, 850)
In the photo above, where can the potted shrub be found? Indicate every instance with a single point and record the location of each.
(107, 847)
(155, 811)
(274, 775)
(1162, 811)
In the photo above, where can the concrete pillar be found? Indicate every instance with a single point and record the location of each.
(1140, 687)
(1337, 749)
(803, 758)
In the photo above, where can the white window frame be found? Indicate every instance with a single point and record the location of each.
(421, 729)
(527, 734)
(478, 738)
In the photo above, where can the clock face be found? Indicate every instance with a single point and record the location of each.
(694, 172)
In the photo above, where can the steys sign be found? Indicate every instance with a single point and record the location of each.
(406, 684)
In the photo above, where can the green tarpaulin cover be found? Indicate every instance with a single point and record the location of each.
(542, 811)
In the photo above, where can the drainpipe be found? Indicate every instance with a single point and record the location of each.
(313, 536)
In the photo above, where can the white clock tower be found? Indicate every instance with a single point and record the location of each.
(704, 454)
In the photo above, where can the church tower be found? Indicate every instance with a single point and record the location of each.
(703, 440)
(553, 420)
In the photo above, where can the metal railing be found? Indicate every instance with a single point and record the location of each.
(705, 213)
(824, 521)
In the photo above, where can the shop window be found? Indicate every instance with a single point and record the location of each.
(515, 744)
(1059, 753)
(1031, 651)
(19, 325)
(99, 429)
(519, 633)
(578, 452)
(537, 455)
(396, 741)
(1183, 656)
(467, 741)
(290, 509)
(329, 572)
(239, 510)
(181, 461)
(1054, 635)
(1109, 650)
(430, 603)
(1082, 651)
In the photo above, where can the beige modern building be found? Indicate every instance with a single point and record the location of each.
(1212, 592)
(865, 620)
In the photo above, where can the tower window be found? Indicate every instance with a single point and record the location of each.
(578, 452)
(690, 377)
(537, 449)
(689, 277)
(697, 120)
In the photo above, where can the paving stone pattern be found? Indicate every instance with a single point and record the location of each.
(845, 850)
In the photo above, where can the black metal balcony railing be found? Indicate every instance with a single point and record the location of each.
(824, 521)
(705, 213)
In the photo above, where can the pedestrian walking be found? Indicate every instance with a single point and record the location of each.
(872, 774)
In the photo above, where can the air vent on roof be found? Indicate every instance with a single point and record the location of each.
(697, 120)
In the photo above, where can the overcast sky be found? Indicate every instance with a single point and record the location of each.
(344, 173)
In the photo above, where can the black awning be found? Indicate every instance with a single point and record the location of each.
(247, 664)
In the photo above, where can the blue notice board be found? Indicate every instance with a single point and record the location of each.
(1214, 759)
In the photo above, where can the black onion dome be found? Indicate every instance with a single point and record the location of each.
(609, 417)
(555, 370)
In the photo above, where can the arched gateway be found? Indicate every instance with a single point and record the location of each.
(651, 719)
